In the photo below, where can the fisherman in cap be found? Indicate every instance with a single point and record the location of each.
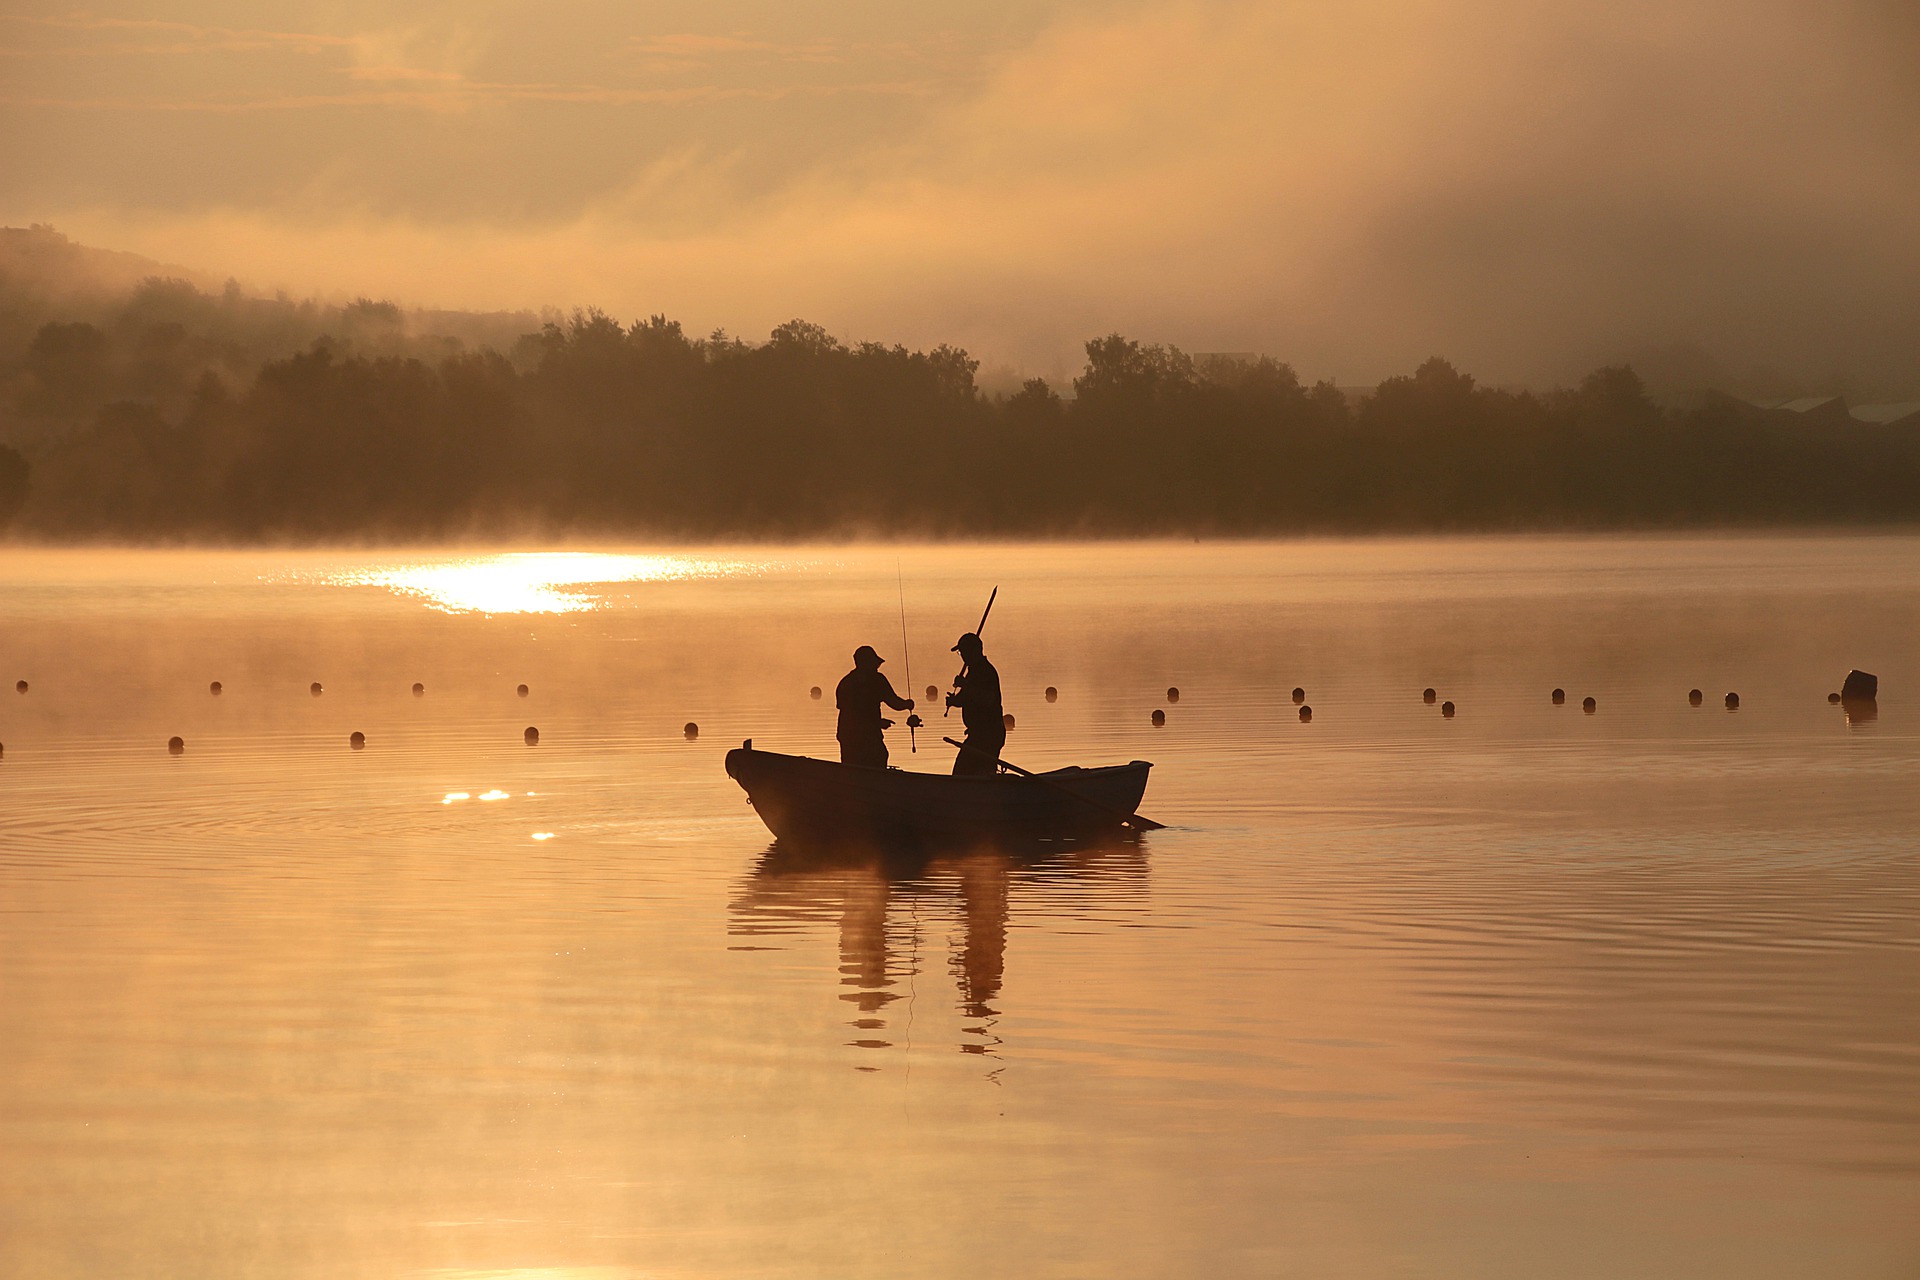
(859, 695)
(978, 697)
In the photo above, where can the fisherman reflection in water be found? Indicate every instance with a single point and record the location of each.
(859, 696)
(978, 697)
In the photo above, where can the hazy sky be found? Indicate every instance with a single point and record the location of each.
(1526, 187)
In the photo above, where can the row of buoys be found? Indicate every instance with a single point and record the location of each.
(177, 745)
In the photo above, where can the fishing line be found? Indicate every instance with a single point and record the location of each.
(906, 657)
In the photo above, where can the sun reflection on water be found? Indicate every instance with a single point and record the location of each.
(531, 582)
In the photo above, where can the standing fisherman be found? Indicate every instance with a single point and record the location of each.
(978, 698)
(859, 696)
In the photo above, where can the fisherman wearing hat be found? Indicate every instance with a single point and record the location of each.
(978, 697)
(859, 695)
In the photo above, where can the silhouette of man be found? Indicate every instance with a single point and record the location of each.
(978, 697)
(859, 695)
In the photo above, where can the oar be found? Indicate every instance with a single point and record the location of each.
(1133, 820)
(977, 630)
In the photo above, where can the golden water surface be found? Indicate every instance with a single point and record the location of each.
(1526, 992)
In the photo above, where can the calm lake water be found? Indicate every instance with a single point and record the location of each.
(1527, 992)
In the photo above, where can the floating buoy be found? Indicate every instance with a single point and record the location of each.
(532, 735)
(1007, 719)
(814, 693)
(419, 690)
(1306, 714)
(521, 690)
(1053, 694)
(357, 740)
(932, 693)
(1446, 709)
(1589, 706)
(1427, 696)
(692, 730)
(1833, 697)
(314, 688)
(214, 688)
(1559, 697)
(3, 750)
(1159, 718)
(1733, 702)
(20, 686)
(1173, 694)
(176, 745)
(1299, 695)
(1860, 686)
(1695, 697)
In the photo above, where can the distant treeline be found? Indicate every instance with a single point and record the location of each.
(163, 419)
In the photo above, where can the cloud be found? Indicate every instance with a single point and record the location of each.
(1523, 187)
(157, 36)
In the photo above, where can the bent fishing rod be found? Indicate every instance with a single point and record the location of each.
(906, 657)
(976, 631)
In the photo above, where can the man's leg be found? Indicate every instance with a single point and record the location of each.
(979, 757)
(870, 752)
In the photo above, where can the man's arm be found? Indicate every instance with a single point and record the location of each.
(893, 699)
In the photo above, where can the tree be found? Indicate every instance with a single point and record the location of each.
(13, 483)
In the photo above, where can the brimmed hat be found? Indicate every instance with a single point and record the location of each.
(865, 655)
(967, 641)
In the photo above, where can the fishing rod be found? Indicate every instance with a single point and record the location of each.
(906, 657)
(976, 631)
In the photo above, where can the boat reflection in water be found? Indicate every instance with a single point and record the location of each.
(891, 907)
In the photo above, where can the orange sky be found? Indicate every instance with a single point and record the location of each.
(1528, 188)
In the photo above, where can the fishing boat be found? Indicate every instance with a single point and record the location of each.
(805, 800)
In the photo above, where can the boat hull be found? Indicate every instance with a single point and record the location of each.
(803, 800)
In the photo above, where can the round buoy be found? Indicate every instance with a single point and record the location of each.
(1306, 714)
(1427, 696)
(314, 688)
(20, 686)
(532, 735)
(214, 688)
(1733, 702)
(1446, 709)
(419, 690)
(1053, 694)
(1559, 697)
(1833, 697)
(1007, 719)
(1159, 718)
(176, 745)
(521, 690)
(1299, 695)
(932, 693)
(357, 740)
(1589, 706)
(1695, 697)
(814, 693)
(1173, 694)
(3, 750)
(692, 730)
